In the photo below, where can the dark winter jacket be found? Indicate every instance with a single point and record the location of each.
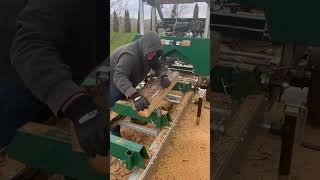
(128, 65)
(57, 43)
(9, 10)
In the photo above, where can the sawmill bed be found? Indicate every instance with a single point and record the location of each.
(117, 167)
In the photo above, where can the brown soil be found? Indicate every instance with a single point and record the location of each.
(262, 160)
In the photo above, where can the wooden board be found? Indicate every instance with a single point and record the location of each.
(113, 115)
(155, 94)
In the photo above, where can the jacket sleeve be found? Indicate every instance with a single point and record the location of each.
(159, 67)
(36, 52)
(122, 72)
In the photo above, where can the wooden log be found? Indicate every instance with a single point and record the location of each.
(113, 115)
(166, 105)
(154, 93)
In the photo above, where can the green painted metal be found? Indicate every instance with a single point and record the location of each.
(90, 82)
(197, 54)
(290, 21)
(51, 150)
(124, 108)
(131, 153)
(183, 87)
(239, 82)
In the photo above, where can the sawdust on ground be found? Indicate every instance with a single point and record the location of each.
(262, 160)
(188, 154)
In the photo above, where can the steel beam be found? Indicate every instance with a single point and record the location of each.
(137, 127)
(176, 1)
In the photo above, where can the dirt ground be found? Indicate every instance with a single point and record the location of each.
(188, 154)
(262, 160)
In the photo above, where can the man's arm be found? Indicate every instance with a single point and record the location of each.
(42, 34)
(41, 38)
(121, 75)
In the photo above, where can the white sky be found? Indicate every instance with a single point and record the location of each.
(185, 10)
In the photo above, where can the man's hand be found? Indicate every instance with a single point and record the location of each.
(164, 81)
(90, 125)
(140, 102)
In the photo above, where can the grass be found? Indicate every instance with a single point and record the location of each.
(120, 39)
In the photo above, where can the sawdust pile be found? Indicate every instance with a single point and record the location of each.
(188, 154)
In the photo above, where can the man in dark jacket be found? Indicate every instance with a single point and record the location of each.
(130, 64)
(55, 44)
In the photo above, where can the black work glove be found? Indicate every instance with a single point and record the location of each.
(90, 125)
(140, 102)
(148, 78)
(164, 81)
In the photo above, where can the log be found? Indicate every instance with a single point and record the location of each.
(155, 94)
(113, 115)
(166, 105)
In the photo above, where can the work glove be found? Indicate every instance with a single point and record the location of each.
(140, 102)
(164, 81)
(90, 125)
(148, 78)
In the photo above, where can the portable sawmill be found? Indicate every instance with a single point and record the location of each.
(186, 52)
(167, 106)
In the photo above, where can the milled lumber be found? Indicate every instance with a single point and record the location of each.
(113, 115)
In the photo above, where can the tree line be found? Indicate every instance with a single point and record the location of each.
(127, 21)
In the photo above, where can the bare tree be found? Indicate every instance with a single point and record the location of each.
(115, 22)
(196, 11)
(119, 7)
(127, 23)
(138, 23)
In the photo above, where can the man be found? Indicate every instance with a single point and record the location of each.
(55, 44)
(130, 64)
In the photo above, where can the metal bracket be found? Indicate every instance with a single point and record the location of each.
(183, 87)
(131, 153)
(159, 119)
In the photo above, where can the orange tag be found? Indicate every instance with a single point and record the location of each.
(185, 43)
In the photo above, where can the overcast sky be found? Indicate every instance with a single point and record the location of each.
(185, 10)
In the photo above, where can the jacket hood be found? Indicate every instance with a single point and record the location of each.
(149, 42)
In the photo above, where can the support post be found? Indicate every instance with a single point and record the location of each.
(287, 145)
(207, 25)
(141, 13)
(153, 17)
